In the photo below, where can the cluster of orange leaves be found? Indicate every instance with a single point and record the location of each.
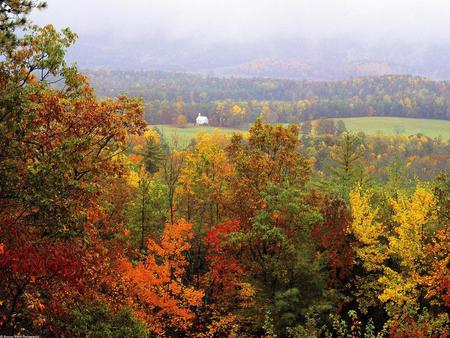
(157, 292)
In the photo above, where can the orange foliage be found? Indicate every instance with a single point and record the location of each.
(156, 288)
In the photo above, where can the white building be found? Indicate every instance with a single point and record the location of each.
(201, 120)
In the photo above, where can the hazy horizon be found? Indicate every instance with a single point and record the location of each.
(232, 37)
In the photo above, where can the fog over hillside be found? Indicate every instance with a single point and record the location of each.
(288, 39)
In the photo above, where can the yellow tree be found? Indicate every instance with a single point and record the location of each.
(204, 180)
(369, 250)
(404, 253)
(413, 220)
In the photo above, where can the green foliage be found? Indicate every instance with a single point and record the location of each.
(13, 14)
(286, 307)
(41, 50)
(48, 49)
(325, 127)
(147, 211)
(340, 127)
(283, 264)
(442, 194)
(353, 327)
(154, 153)
(346, 168)
(310, 329)
(95, 319)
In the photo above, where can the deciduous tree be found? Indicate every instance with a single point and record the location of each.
(157, 283)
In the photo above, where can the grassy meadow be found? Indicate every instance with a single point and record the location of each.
(398, 125)
(185, 135)
(369, 125)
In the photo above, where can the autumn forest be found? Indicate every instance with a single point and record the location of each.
(111, 228)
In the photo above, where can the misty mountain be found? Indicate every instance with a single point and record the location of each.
(328, 59)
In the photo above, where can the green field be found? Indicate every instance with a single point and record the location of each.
(369, 125)
(185, 135)
(398, 125)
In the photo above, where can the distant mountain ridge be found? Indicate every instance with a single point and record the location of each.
(333, 59)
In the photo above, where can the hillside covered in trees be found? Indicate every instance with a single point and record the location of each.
(109, 229)
(233, 101)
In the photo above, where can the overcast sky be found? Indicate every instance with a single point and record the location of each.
(253, 20)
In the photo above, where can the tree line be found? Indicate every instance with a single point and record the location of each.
(234, 101)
